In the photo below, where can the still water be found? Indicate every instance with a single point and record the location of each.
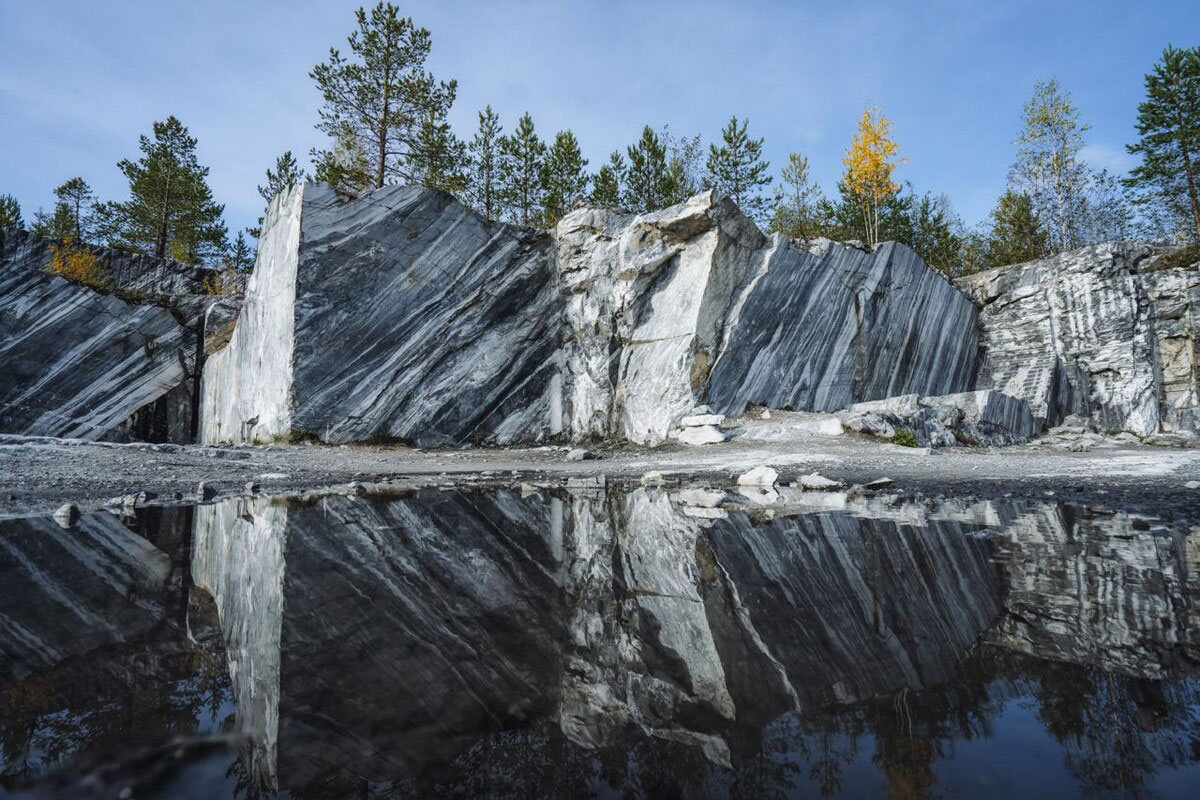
(641, 643)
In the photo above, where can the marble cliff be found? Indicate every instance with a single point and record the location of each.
(117, 364)
(405, 316)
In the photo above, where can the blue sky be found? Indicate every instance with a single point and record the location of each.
(79, 81)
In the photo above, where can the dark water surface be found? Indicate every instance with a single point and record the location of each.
(468, 643)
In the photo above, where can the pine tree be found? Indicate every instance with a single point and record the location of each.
(648, 185)
(344, 166)
(170, 210)
(736, 169)
(564, 177)
(74, 218)
(483, 189)
(10, 212)
(1016, 234)
(933, 233)
(1168, 123)
(521, 157)
(1048, 167)
(606, 185)
(287, 173)
(240, 257)
(439, 157)
(795, 211)
(57, 224)
(382, 95)
(870, 163)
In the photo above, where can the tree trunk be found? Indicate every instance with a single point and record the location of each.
(160, 244)
(1190, 172)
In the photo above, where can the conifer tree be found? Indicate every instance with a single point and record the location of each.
(736, 169)
(1168, 123)
(381, 95)
(170, 210)
(1016, 234)
(606, 185)
(439, 157)
(648, 185)
(521, 158)
(483, 188)
(10, 212)
(797, 199)
(1048, 167)
(286, 173)
(870, 164)
(344, 165)
(241, 257)
(564, 177)
(56, 224)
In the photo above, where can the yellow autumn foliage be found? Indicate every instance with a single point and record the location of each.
(77, 264)
(870, 162)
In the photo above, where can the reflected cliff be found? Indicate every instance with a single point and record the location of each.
(610, 642)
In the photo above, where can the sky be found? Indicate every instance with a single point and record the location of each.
(80, 81)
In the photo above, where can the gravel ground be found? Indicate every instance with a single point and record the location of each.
(37, 475)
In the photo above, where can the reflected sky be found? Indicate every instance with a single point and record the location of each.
(631, 643)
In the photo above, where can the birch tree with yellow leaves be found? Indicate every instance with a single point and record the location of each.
(870, 162)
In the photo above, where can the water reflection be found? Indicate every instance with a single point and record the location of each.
(640, 643)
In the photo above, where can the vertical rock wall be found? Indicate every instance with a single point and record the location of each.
(1096, 331)
(76, 362)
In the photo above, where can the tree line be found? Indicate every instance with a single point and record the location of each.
(385, 118)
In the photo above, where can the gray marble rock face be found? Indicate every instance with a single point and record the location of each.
(401, 315)
(405, 315)
(981, 418)
(825, 327)
(1096, 332)
(75, 362)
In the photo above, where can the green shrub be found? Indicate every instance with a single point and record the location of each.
(905, 438)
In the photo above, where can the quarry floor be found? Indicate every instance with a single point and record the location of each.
(39, 474)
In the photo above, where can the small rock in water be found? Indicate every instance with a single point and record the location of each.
(818, 482)
(528, 489)
(580, 454)
(879, 483)
(653, 478)
(67, 515)
(205, 492)
(766, 413)
(356, 489)
(587, 482)
(759, 476)
(701, 498)
(252, 487)
(1193, 484)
